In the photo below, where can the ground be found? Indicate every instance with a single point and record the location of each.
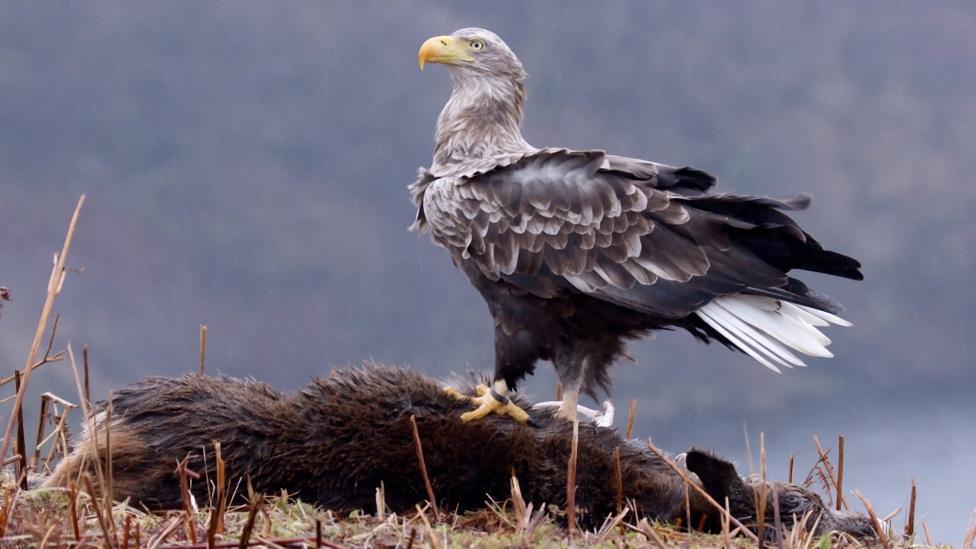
(43, 517)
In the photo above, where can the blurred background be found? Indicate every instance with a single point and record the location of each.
(246, 162)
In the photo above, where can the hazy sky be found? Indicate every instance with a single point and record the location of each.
(246, 164)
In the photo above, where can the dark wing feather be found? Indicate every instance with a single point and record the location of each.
(634, 233)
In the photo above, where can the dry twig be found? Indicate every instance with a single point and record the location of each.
(630, 418)
(618, 474)
(53, 288)
(910, 524)
(423, 467)
(840, 472)
(571, 482)
(875, 523)
(203, 349)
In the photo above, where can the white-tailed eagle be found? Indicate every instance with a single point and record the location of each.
(577, 251)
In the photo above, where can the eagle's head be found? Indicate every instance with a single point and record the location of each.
(482, 118)
(472, 52)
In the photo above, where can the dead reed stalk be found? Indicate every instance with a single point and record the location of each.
(609, 526)
(423, 467)
(59, 430)
(73, 502)
(526, 522)
(777, 518)
(431, 535)
(252, 514)
(109, 488)
(191, 531)
(102, 520)
(217, 512)
(630, 418)
(40, 433)
(761, 504)
(381, 502)
(203, 349)
(645, 528)
(875, 523)
(53, 288)
(171, 527)
(93, 439)
(84, 364)
(126, 530)
(840, 472)
(910, 521)
(618, 474)
(726, 537)
(829, 476)
(688, 525)
(571, 481)
(21, 442)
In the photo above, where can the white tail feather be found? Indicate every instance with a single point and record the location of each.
(757, 338)
(735, 341)
(797, 334)
(770, 330)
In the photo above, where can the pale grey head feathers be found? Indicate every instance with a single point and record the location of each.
(483, 116)
(492, 56)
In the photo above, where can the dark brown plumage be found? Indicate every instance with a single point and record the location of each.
(577, 251)
(337, 439)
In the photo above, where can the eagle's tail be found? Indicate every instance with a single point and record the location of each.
(770, 330)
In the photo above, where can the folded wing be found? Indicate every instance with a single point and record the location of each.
(641, 235)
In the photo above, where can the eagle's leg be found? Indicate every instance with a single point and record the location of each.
(490, 400)
(570, 375)
(568, 410)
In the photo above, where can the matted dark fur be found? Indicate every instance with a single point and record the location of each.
(337, 439)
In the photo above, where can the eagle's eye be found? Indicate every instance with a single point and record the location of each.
(477, 45)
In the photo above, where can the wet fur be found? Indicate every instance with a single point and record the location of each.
(337, 439)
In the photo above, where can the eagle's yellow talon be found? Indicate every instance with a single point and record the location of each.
(517, 413)
(478, 413)
(452, 391)
(488, 404)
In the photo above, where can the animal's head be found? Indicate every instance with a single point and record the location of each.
(796, 503)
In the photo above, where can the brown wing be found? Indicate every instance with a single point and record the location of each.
(635, 233)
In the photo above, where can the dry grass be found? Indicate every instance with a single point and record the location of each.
(43, 515)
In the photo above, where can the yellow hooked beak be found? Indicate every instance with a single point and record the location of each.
(443, 49)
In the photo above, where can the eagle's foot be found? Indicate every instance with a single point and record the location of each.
(458, 395)
(489, 402)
